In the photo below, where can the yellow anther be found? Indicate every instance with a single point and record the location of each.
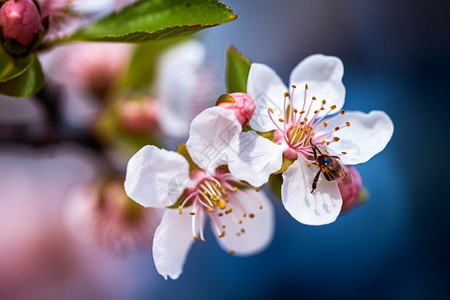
(245, 215)
(316, 111)
(302, 112)
(210, 209)
(281, 120)
(238, 234)
(242, 230)
(203, 240)
(308, 164)
(325, 124)
(305, 118)
(347, 123)
(343, 152)
(260, 207)
(231, 252)
(295, 110)
(257, 189)
(336, 139)
(323, 142)
(220, 214)
(294, 86)
(222, 234)
(337, 128)
(195, 237)
(240, 221)
(313, 98)
(270, 110)
(286, 94)
(306, 86)
(324, 101)
(180, 209)
(235, 189)
(192, 213)
(342, 112)
(333, 107)
(251, 216)
(224, 226)
(222, 204)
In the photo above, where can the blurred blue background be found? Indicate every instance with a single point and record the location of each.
(396, 246)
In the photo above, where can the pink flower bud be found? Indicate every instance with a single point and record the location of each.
(241, 104)
(138, 115)
(20, 20)
(352, 195)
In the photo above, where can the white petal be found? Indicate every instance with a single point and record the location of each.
(258, 230)
(176, 83)
(254, 158)
(317, 208)
(172, 241)
(367, 135)
(323, 74)
(155, 176)
(212, 132)
(267, 89)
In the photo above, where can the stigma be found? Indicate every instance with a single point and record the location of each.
(215, 196)
(301, 127)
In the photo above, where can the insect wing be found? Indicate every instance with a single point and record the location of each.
(346, 178)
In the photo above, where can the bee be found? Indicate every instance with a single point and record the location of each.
(331, 167)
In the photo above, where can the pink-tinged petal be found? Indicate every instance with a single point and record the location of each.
(323, 74)
(155, 176)
(212, 132)
(317, 208)
(267, 89)
(176, 84)
(172, 241)
(254, 158)
(367, 135)
(257, 228)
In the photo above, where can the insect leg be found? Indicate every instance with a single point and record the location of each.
(314, 183)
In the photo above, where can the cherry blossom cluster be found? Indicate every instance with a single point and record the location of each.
(300, 133)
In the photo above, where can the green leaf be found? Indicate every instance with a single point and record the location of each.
(141, 71)
(11, 67)
(156, 19)
(25, 83)
(237, 69)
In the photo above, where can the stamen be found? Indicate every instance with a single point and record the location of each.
(336, 139)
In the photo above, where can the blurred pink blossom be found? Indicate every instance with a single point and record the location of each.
(103, 213)
(39, 259)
